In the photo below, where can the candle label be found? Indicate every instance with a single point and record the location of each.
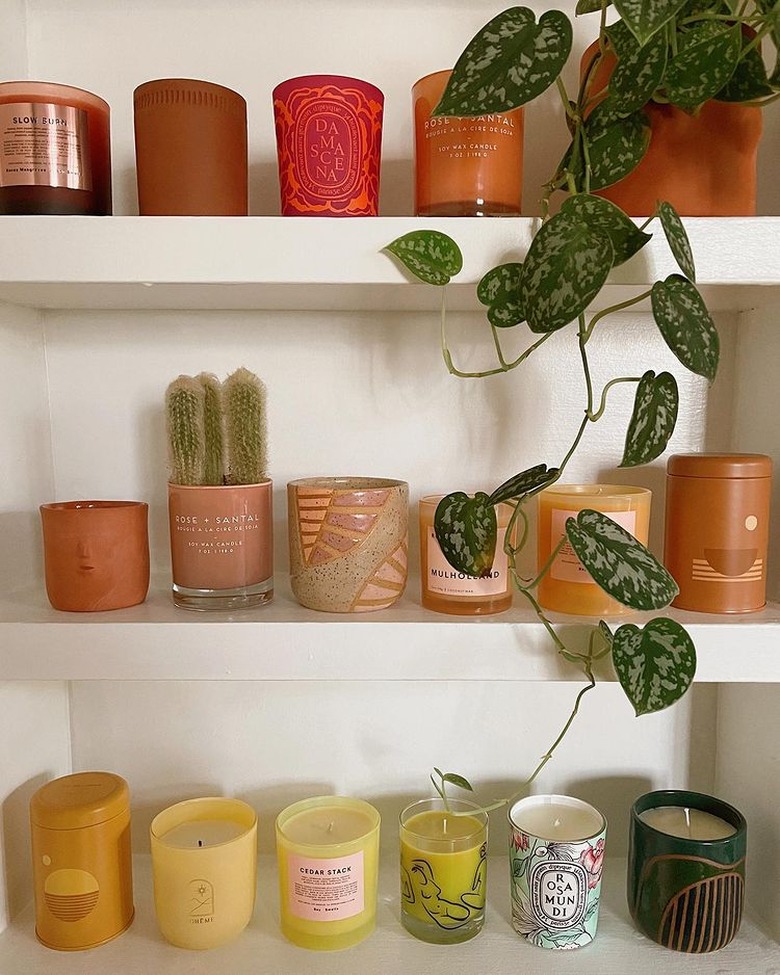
(44, 145)
(558, 893)
(446, 581)
(326, 890)
(567, 567)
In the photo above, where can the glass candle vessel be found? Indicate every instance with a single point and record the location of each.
(190, 149)
(328, 857)
(82, 867)
(686, 869)
(204, 863)
(443, 870)
(465, 167)
(329, 143)
(719, 562)
(567, 587)
(55, 151)
(556, 855)
(446, 590)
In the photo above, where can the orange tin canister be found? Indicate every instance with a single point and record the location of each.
(717, 530)
(82, 870)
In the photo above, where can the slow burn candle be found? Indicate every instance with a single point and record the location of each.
(328, 855)
(204, 862)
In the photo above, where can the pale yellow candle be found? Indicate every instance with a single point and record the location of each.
(567, 587)
(204, 863)
(328, 857)
(687, 823)
(559, 818)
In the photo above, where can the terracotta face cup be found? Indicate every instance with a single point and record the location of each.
(96, 554)
(348, 542)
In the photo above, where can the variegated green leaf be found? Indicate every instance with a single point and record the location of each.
(689, 331)
(639, 71)
(655, 665)
(524, 484)
(454, 779)
(606, 634)
(466, 531)
(431, 256)
(621, 565)
(749, 81)
(677, 239)
(509, 62)
(645, 17)
(625, 236)
(499, 289)
(703, 65)
(621, 40)
(567, 263)
(653, 419)
(589, 6)
(616, 145)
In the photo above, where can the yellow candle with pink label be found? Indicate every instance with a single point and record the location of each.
(567, 586)
(443, 870)
(328, 858)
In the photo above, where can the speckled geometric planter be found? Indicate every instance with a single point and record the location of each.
(348, 542)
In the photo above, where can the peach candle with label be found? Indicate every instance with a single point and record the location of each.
(567, 587)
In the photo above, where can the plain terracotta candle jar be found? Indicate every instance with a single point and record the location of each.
(717, 530)
(96, 554)
(55, 151)
(190, 149)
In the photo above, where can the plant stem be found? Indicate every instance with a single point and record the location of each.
(497, 344)
(603, 405)
(613, 308)
(547, 564)
(574, 658)
(549, 753)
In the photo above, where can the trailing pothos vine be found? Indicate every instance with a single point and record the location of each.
(683, 52)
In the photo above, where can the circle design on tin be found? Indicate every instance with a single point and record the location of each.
(71, 894)
(751, 523)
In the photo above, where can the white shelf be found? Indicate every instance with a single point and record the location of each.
(320, 263)
(284, 641)
(618, 948)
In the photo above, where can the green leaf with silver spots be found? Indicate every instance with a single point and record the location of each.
(653, 419)
(566, 266)
(429, 255)
(677, 239)
(638, 72)
(689, 331)
(466, 531)
(749, 81)
(655, 664)
(626, 238)
(499, 289)
(589, 6)
(509, 62)
(618, 563)
(524, 484)
(645, 17)
(616, 145)
(703, 65)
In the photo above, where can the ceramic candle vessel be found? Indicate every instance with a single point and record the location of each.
(348, 542)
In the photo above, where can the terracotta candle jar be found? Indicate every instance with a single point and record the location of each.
(717, 530)
(465, 167)
(190, 149)
(96, 554)
(55, 152)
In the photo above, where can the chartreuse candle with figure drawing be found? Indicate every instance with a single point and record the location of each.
(443, 870)
(328, 858)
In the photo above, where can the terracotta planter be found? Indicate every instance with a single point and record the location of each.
(96, 554)
(221, 545)
(704, 164)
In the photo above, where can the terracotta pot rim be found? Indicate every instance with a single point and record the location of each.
(93, 505)
(348, 482)
(217, 487)
(212, 86)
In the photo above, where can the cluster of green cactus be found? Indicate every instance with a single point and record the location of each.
(216, 430)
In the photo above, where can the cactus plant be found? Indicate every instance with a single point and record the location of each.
(216, 431)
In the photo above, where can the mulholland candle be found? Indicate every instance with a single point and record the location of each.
(204, 863)
(328, 855)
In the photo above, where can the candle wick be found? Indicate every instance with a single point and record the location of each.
(687, 812)
(330, 826)
(557, 823)
(200, 842)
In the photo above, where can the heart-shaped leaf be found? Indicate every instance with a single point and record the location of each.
(509, 62)
(616, 145)
(639, 71)
(567, 264)
(431, 256)
(645, 17)
(703, 64)
(621, 565)
(589, 6)
(606, 634)
(653, 419)
(499, 289)
(625, 236)
(524, 484)
(749, 80)
(677, 239)
(655, 665)
(686, 325)
(466, 531)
